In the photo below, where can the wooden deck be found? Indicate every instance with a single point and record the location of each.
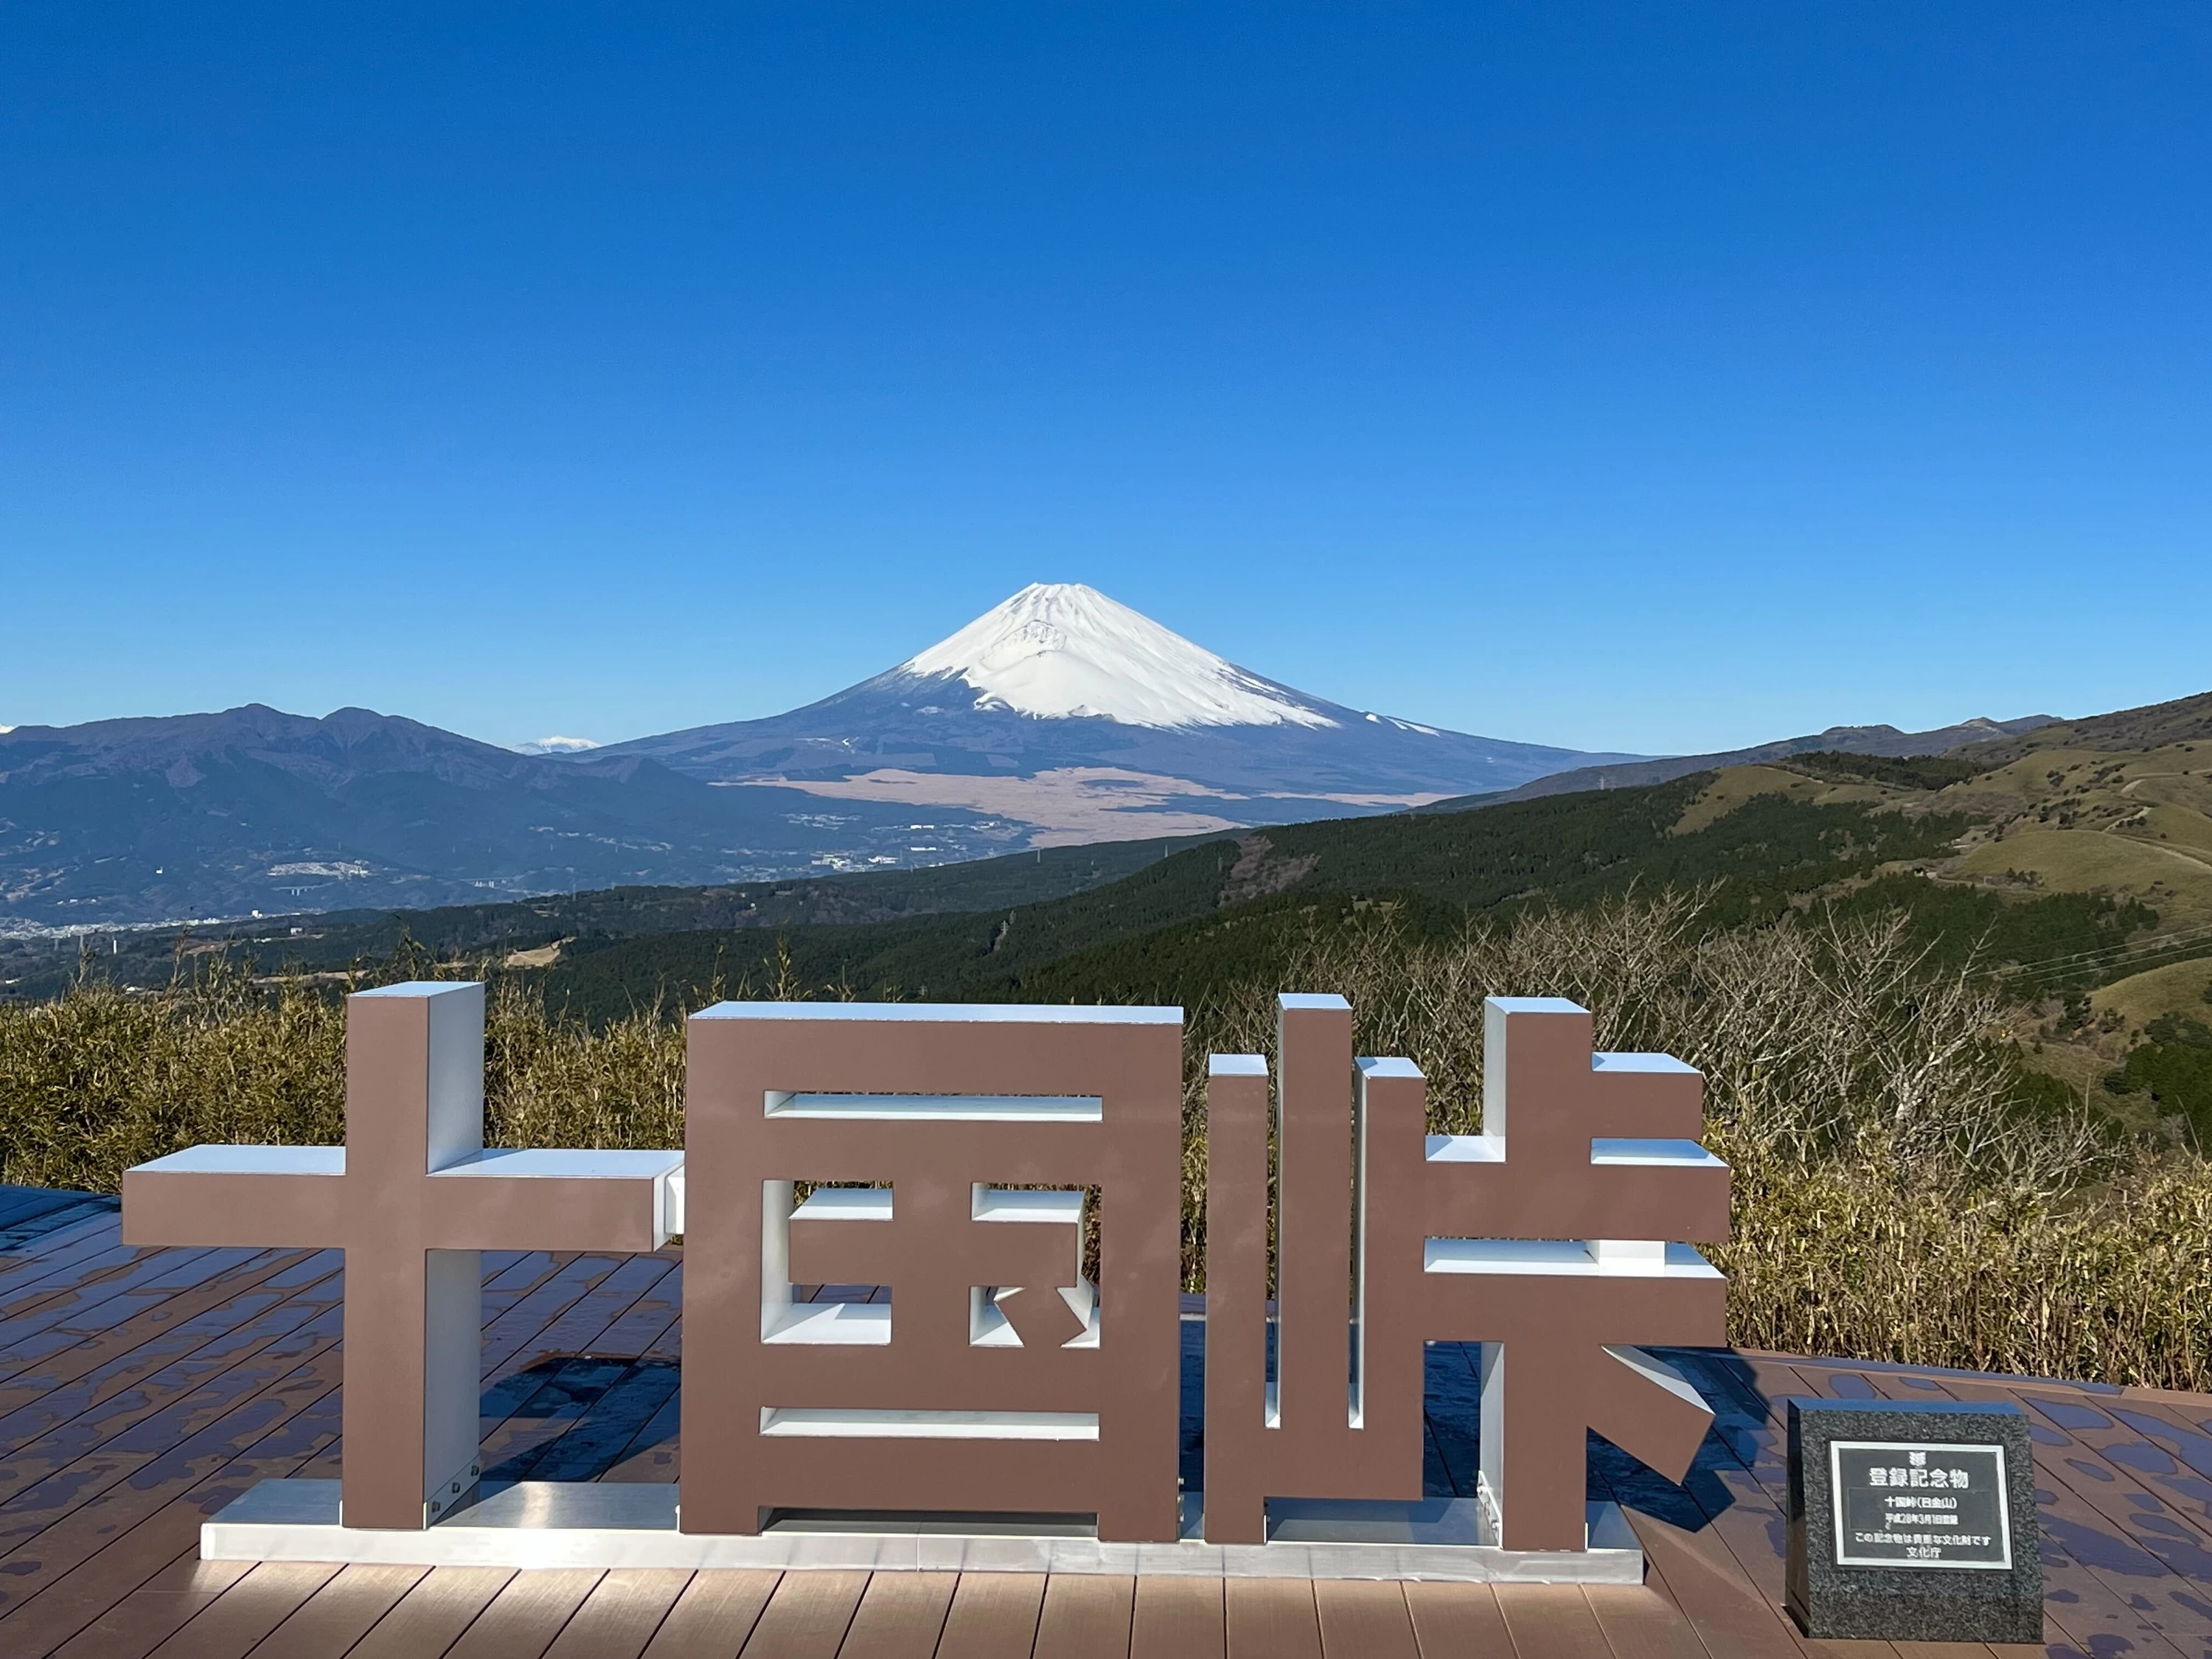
(141, 1390)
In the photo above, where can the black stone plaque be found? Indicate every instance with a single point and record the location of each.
(1913, 1521)
(1902, 1504)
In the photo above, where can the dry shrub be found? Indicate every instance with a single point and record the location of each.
(101, 1078)
(2116, 1286)
(551, 1081)
(1893, 1199)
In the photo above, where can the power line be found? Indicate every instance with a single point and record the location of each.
(2185, 937)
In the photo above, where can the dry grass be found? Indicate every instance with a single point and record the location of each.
(1893, 1199)
(102, 1078)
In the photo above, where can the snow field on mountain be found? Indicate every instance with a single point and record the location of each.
(1063, 651)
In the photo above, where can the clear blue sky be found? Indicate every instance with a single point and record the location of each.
(1648, 377)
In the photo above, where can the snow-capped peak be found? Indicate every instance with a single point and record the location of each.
(554, 746)
(1063, 651)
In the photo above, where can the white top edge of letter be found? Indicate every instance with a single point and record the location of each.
(1389, 1066)
(1013, 1204)
(1661, 1063)
(846, 1203)
(1675, 1153)
(1536, 1005)
(564, 1164)
(818, 1423)
(215, 1159)
(1566, 1257)
(940, 1108)
(933, 1013)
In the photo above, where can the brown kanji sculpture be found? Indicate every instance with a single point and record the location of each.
(411, 1199)
(995, 1380)
(1554, 1238)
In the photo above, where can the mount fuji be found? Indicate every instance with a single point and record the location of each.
(1058, 718)
(1082, 719)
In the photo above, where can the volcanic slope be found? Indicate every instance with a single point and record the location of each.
(1088, 720)
(1861, 833)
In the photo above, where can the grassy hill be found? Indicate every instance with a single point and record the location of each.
(2155, 725)
(1759, 839)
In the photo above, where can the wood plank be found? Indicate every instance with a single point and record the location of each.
(1717, 1538)
(620, 1616)
(27, 1253)
(19, 1204)
(73, 1271)
(26, 1316)
(162, 1530)
(649, 1316)
(1552, 1620)
(17, 1198)
(651, 1453)
(74, 1431)
(1086, 1616)
(104, 1363)
(1457, 1621)
(139, 1622)
(527, 1413)
(541, 1406)
(179, 1271)
(431, 1617)
(714, 1617)
(1364, 1619)
(82, 1566)
(1179, 1619)
(1271, 1618)
(610, 1299)
(2092, 1607)
(526, 1615)
(58, 1252)
(546, 1320)
(1755, 1437)
(901, 1616)
(1452, 1390)
(2086, 1607)
(17, 1234)
(1641, 1621)
(2080, 1489)
(1728, 1611)
(116, 1299)
(232, 1625)
(594, 1444)
(340, 1613)
(993, 1615)
(257, 1420)
(2119, 1470)
(806, 1616)
(1751, 1445)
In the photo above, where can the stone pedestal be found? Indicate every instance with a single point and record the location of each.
(1913, 1522)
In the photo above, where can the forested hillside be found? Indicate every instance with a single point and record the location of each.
(1229, 909)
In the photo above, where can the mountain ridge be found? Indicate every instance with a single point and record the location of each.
(1018, 693)
(1059, 718)
(1075, 719)
(1880, 740)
